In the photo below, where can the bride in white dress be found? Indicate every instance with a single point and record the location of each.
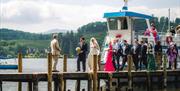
(94, 50)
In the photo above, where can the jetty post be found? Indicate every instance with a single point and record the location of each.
(164, 70)
(78, 85)
(0, 85)
(64, 69)
(35, 82)
(29, 88)
(90, 82)
(129, 72)
(110, 81)
(20, 69)
(49, 71)
(95, 72)
(65, 63)
(99, 63)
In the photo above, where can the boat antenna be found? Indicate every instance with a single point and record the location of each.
(169, 19)
(125, 7)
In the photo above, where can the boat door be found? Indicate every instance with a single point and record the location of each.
(121, 28)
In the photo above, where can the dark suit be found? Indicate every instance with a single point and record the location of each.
(126, 51)
(116, 56)
(158, 55)
(136, 54)
(143, 54)
(82, 57)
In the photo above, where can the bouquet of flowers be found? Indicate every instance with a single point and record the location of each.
(78, 49)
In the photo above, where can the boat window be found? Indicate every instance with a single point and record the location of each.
(140, 26)
(113, 24)
(124, 25)
(118, 23)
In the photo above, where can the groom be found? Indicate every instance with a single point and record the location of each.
(82, 54)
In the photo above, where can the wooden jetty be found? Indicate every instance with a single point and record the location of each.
(59, 78)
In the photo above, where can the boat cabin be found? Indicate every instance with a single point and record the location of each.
(122, 23)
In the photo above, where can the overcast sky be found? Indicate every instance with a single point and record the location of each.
(43, 15)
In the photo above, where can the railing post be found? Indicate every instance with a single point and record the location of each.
(78, 83)
(61, 82)
(29, 86)
(49, 72)
(35, 82)
(35, 86)
(56, 83)
(99, 62)
(90, 82)
(164, 69)
(20, 70)
(65, 69)
(148, 80)
(0, 85)
(65, 63)
(95, 73)
(129, 72)
(110, 81)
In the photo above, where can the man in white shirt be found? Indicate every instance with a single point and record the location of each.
(116, 54)
(55, 50)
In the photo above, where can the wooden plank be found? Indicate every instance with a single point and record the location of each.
(42, 76)
(75, 76)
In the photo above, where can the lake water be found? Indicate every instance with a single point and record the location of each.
(40, 65)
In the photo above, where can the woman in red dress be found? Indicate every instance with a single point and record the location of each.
(109, 65)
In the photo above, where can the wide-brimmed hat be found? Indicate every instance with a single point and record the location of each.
(178, 27)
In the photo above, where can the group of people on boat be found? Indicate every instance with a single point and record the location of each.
(144, 54)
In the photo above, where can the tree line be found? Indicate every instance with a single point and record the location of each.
(37, 45)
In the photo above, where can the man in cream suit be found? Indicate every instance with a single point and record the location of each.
(55, 50)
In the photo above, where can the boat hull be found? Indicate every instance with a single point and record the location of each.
(8, 66)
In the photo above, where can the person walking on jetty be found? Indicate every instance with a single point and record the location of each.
(55, 50)
(158, 54)
(82, 55)
(94, 50)
(143, 54)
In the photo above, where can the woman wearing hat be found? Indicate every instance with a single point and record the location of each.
(172, 53)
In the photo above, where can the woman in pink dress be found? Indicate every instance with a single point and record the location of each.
(109, 65)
